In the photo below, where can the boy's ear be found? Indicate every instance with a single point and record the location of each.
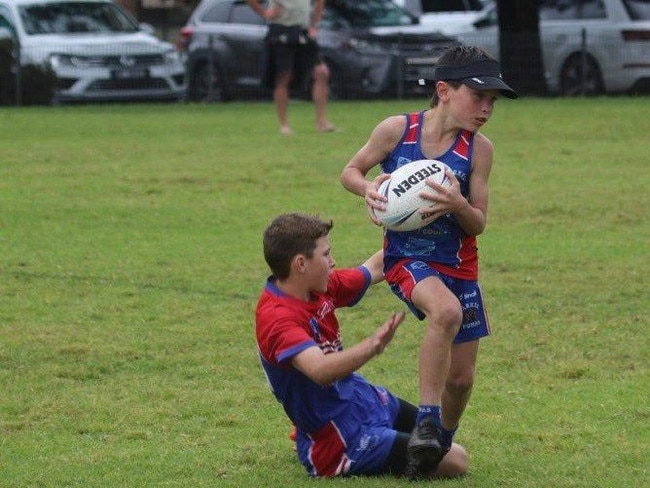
(299, 263)
(442, 89)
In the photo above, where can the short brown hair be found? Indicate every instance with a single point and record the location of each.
(291, 234)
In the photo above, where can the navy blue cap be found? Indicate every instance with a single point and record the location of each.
(479, 75)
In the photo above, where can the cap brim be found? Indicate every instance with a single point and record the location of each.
(490, 83)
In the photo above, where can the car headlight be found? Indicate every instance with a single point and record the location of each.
(172, 56)
(366, 47)
(61, 60)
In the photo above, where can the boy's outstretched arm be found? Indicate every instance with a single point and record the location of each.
(325, 369)
(375, 264)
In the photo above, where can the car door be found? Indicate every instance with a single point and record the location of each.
(241, 41)
(247, 44)
(569, 28)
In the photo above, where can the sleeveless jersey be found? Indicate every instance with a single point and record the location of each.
(442, 243)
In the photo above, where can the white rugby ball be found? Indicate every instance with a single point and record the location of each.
(403, 192)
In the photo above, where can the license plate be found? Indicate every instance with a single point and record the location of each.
(130, 74)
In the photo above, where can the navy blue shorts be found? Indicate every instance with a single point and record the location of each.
(359, 441)
(403, 277)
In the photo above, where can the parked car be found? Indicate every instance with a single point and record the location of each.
(373, 48)
(95, 49)
(588, 46)
(448, 16)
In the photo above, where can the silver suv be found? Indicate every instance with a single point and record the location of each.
(589, 47)
(372, 48)
(95, 49)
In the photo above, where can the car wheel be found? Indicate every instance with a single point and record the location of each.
(581, 76)
(207, 85)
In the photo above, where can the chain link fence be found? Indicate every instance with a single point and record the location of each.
(22, 83)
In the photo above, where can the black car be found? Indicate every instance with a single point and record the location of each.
(373, 49)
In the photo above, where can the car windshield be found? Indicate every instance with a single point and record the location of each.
(638, 9)
(371, 13)
(74, 17)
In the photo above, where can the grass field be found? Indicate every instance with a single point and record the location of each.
(130, 265)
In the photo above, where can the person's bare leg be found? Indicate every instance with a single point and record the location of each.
(460, 381)
(444, 316)
(454, 464)
(281, 101)
(320, 92)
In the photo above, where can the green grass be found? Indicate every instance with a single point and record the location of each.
(130, 265)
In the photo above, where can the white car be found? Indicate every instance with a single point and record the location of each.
(95, 49)
(589, 47)
(447, 16)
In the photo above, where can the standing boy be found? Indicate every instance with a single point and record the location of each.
(434, 269)
(344, 424)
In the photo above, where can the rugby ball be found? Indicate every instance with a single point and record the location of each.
(403, 191)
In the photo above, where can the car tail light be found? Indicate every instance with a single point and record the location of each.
(636, 35)
(184, 38)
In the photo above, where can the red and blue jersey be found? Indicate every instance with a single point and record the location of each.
(442, 243)
(332, 422)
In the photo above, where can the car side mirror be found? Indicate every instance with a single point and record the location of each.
(147, 28)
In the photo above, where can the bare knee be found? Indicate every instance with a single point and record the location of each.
(283, 80)
(321, 73)
(454, 464)
(449, 317)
